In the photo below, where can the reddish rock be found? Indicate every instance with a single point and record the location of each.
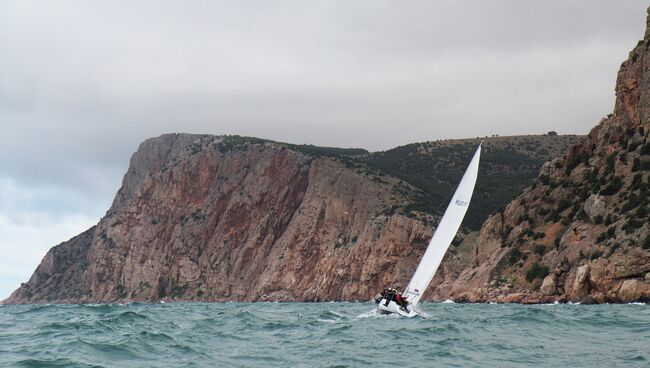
(513, 298)
(599, 298)
(195, 221)
(630, 291)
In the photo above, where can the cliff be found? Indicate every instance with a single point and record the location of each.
(202, 217)
(581, 232)
(209, 218)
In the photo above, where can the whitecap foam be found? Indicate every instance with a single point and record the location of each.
(326, 320)
(424, 315)
(372, 313)
(554, 303)
(448, 301)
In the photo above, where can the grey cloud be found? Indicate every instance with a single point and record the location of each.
(81, 84)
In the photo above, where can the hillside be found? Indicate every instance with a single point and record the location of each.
(581, 232)
(202, 217)
(508, 164)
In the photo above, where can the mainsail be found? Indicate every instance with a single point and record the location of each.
(444, 234)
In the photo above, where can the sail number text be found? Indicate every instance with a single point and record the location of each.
(462, 203)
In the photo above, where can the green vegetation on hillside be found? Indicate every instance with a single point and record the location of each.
(610, 173)
(508, 164)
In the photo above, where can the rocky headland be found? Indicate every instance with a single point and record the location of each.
(213, 218)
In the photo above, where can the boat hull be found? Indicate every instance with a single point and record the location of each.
(393, 308)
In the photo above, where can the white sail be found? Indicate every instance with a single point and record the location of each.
(444, 234)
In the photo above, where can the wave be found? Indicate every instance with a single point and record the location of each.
(40, 363)
(325, 334)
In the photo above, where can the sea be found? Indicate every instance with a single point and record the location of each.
(344, 334)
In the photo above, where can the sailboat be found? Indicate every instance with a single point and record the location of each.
(405, 304)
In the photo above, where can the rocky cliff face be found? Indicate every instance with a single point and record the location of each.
(581, 231)
(203, 217)
(206, 218)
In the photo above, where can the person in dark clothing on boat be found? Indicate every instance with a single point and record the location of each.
(381, 295)
(388, 294)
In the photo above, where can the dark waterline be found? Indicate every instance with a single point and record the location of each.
(323, 335)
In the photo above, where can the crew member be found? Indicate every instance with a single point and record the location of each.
(401, 301)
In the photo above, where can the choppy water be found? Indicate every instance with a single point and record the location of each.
(323, 335)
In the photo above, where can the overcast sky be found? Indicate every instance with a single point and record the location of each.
(83, 83)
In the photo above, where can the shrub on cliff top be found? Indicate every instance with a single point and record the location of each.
(539, 235)
(563, 205)
(544, 179)
(645, 165)
(645, 150)
(514, 255)
(646, 242)
(614, 186)
(637, 182)
(536, 271)
(631, 225)
(540, 249)
(610, 163)
(554, 216)
(632, 146)
(596, 254)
